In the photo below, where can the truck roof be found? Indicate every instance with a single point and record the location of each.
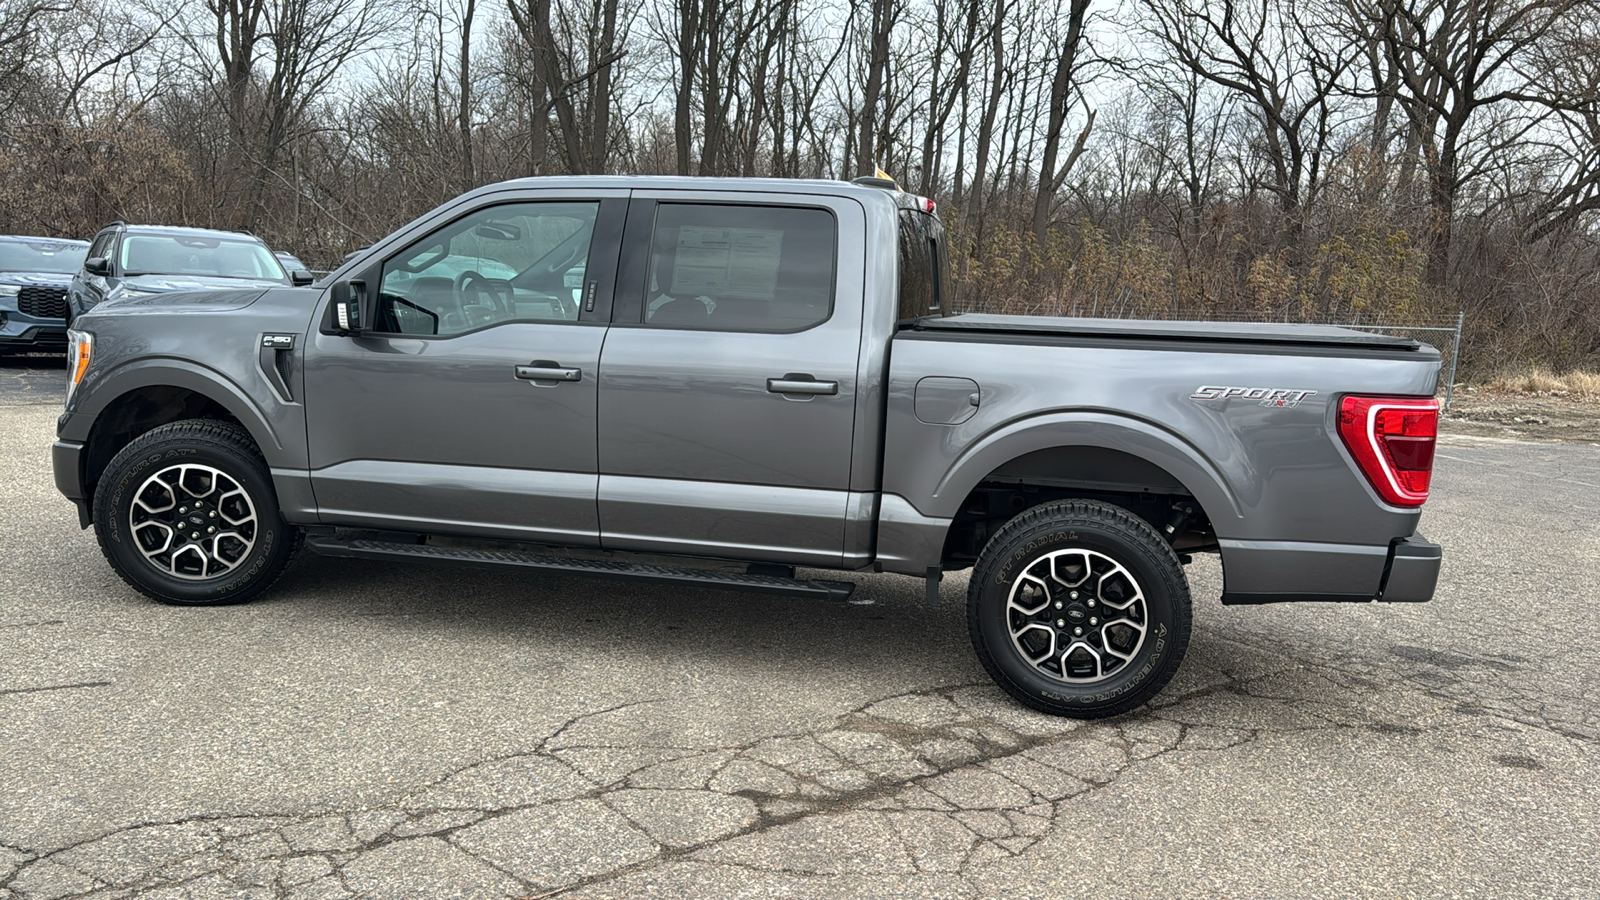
(695, 183)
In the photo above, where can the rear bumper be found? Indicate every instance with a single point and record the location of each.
(1413, 572)
(1255, 572)
(66, 459)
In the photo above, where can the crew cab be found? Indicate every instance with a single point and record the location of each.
(718, 382)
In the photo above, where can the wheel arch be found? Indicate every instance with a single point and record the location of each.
(1128, 461)
(1155, 449)
(147, 396)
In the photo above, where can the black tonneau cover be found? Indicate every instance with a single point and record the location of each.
(1259, 332)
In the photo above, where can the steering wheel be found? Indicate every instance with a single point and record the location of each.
(471, 282)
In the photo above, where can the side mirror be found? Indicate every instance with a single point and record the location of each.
(301, 278)
(350, 307)
(98, 265)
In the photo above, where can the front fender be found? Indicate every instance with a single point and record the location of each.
(1085, 428)
(95, 395)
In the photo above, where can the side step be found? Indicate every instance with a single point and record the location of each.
(328, 545)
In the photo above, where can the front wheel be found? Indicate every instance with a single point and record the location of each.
(186, 514)
(1079, 608)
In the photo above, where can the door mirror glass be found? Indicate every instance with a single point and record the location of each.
(97, 265)
(349, 307)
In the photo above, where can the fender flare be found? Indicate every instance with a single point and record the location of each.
(189, 375)
(1135, 437)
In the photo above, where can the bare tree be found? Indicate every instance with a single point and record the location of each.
(884, 15)
(464, 109)
(574, 72)
(1065, 93)
(1455, 63)
(1264, 52)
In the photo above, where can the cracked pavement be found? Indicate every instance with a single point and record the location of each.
(410, 731)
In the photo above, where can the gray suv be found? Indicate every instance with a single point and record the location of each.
(139, 260)
(34, 274)
(716, 383)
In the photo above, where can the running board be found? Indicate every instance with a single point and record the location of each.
(604, 568)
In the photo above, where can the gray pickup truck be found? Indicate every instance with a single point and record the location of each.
(713, 382)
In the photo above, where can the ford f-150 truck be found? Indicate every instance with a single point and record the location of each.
(714, 382)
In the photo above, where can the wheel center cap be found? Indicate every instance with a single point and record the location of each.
(1077, 614)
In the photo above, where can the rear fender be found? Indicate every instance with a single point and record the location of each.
(1125, 434)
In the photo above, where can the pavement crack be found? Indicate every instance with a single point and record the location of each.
(54, 687)
(544, 745)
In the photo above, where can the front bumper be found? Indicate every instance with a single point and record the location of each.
(66, 458)
(1256, 572)
(18, 336)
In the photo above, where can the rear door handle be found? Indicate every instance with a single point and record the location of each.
(801, 384)
(546, 370)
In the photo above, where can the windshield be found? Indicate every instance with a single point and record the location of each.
(41, 256)
(159, 254)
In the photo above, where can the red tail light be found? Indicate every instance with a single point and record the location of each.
(1392, 441)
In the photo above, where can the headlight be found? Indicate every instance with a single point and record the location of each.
(80, 349)
(8, 290)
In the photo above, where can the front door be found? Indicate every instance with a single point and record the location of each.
(469, 406)
(728, 380)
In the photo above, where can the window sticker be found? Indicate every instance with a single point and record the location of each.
(727, 262)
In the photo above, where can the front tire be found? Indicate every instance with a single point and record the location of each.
(187, 515)
(1079, 608)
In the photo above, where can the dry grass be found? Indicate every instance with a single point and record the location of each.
(1579, 384)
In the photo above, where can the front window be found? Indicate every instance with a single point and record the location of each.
(520, 262)
(41, 256)
(161, 254)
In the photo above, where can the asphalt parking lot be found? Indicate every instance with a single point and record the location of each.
(432, 732)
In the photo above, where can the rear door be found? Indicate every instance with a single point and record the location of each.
(469, 407)
(729, 378)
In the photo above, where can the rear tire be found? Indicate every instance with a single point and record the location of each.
(1079, 608)
(187, 515)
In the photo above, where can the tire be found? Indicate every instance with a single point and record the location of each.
(1030, 590)
(211, 470)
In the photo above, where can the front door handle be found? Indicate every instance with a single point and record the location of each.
(546, 370)
(801, 384)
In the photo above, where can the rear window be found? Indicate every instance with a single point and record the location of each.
(740, 268)
(924, 271)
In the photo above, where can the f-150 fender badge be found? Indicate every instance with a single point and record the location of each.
(1276, 397)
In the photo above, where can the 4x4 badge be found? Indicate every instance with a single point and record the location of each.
(1277, 397)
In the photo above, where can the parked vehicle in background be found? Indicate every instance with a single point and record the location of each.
(34, 274)
(290, 262)
(126, 261)
(751, 375)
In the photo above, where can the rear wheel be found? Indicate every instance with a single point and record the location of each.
(186, 514)
(1079, 608)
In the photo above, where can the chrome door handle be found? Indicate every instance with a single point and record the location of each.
(793, 384)
(549, 372)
